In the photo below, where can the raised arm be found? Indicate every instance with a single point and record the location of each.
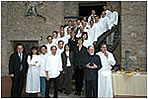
(111, 59)
(38, 62)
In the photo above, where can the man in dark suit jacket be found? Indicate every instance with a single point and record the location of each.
(72, 41)
(17, 70)
(92, 65)
(80, 55)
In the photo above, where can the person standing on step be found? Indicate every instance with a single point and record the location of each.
(17, 70)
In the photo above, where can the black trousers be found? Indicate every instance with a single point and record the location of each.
(91, 88)
(17, 85)
(67, 78)
(48, 87)
(79, 73)
(60, 79)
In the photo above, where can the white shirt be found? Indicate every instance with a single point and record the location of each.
(79, 33)
(105, 24)
(54, 65)
(20, 55)
(43, 64)
(54, 40)
(65, 29)
(91, 36)
(108, 13)
(68, 36)
(107, 62)
(49, 47)
(68, 60)
(98, 31)
(60, 51)
(64, 39)
(86, 43)
(114, 17)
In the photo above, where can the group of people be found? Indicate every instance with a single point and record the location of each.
(68, 55)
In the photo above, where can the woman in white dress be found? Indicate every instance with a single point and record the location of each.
(33, 74)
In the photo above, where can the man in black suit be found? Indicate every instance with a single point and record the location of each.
(72, 41)
(93, 64)
(17, 70)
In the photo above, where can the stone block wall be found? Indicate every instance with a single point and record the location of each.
(16, 26)
(71, 8)
(134, 32)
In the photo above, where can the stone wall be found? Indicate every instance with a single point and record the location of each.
(71, 8)
(134, 32)
(117, 5)
(15, 26)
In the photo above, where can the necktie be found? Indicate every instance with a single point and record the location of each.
(21, 66)
(20, 57)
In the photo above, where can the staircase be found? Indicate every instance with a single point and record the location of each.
(116, 39)
(102, 39)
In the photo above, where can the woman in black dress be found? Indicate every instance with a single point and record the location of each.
(80, 57)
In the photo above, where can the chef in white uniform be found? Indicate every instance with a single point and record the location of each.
(62, 37)
(53, 69)
(49, 44)
(114, 16)
(108, 12)
(105, 22)
(105, 89)
(93, 14)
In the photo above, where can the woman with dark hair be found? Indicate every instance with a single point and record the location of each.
(88, 37)
(84, 37)
(33, 75)
(67, 64)
(80, 57)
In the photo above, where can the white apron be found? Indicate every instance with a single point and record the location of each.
(33, 75)
(104, 76)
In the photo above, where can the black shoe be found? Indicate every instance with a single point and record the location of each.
(65, 92)
(60, 90)
(79, 93)
(55, 96)
(68, 93)
(76, 93)
(47, 96)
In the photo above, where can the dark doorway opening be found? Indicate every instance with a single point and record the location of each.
(86, 10)
(27, 44)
